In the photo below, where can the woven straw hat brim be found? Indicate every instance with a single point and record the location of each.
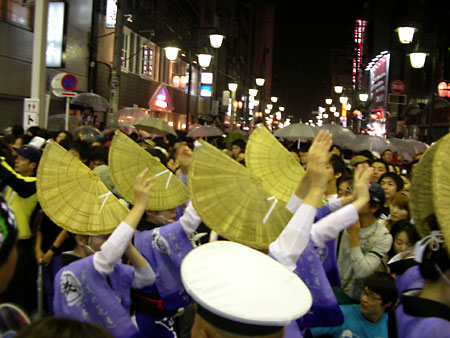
(421, 196)
(231, 201)
(127, 159)
(268, 160)
(73, 196)
(441, 187)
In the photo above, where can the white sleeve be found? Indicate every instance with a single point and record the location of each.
(190, 220)
(143, 277)
(294, 203)
(183, 178)
(113, 249)
(331, 197)
(290, 244)
(335, 204)
(331, 225)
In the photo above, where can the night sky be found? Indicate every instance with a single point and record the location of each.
(303, 40)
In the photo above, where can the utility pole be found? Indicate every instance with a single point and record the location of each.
(116, 66)
(38, 68)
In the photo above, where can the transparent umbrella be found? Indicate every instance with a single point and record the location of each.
(155, 126)
(58, 122)
(296, 131)
(408, 147)
(371, 143)
(95, 101)
(205, 131)
(341, 136)
(88, 134)
(130, 115)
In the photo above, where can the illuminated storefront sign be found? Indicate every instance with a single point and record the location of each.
(206, 91)
(360, 46)
(161, 100)
(55, 34)
(379, 79)
(111, 13)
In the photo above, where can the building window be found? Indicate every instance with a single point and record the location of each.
(18, 11)
(147, 61)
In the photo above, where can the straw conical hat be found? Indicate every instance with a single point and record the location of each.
(231, 201)
(441, 187)
(127, 159)
(268, 160)
(421, 196)
(73, 196)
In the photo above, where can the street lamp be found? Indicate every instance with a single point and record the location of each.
(269, 106)
(363, 97)
(343, 99)
(216, 40)
(233, 87)
(253, 92)
(328, 101)
(332, 109)
(281, 108)
(417, 59)
(260, 81)
(274, 99)
(171, 53)
(406, 34)
(204, 60)
(338, 89)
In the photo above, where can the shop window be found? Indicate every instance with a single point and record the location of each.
(18, 11)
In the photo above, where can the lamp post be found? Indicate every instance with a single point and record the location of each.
(232, 87)
(204, 60)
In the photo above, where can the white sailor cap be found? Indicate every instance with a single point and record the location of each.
(241, 290)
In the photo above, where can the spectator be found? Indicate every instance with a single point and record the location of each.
(379, 168)
(238, 151)
(344, 186)
(362, 247)
(370, 318)
(387, 155)
(391, 184)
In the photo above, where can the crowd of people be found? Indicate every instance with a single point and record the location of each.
(351, 262)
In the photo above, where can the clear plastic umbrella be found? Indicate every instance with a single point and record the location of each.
(205, 131)
(341, 136)
(371, 143)
(58, 122)
(95, 101)
(408, 147)
(130, 115)
(296, 131)
(155, 126)
(88, 134)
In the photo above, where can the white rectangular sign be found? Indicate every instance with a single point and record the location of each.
(30, 113)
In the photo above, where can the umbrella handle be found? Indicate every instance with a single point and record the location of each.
(40, 292)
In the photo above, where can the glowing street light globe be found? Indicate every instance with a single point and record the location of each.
(216, 40)
(343, 99)
(417, 59)
(204, 60)
(406, 34)
(338, 89)
(253, 92)
(171, 53)
(232, 86)
(363, 97)
(328, 101)
(274, 99)
(260, 81)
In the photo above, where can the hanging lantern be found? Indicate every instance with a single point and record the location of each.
(417, 59)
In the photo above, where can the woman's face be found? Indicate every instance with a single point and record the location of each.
(406, 183)
(398, 213)
(401, 242)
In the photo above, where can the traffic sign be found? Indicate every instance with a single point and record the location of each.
(69, 82)
(30, 113)
(63, 93)
(398, 87)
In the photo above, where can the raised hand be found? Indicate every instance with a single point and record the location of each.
(361, 183)
(318, 157)
(184, 157)
(142, 187)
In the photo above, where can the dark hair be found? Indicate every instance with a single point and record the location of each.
(304, 147)
(397, 179)
(240, 143)
(384, 152)
(338, 165)
(159, 154)
(379, 160)
(406, 226)
(347, 153)
(383, 284)
(82, 147)
(99, 153)
(17, 130)
(33, 130)
(56, 327)
(366, 153)
(434, 260)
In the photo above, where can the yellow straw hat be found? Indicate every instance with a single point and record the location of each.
(73, 196)
(430, 189)
(231, 201)
(441, 187)
(268, 160)
(127, 159)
